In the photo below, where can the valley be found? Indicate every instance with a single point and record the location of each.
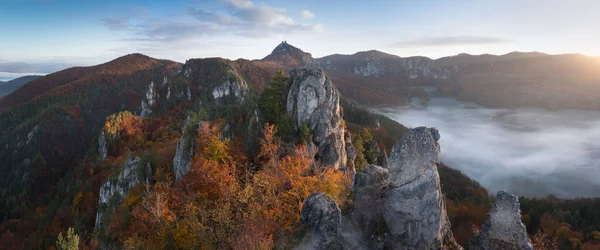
(530, 152)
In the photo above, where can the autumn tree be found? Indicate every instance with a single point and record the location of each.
(70, 241)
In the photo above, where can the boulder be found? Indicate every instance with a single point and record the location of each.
(503, 228)
(313, 100)
(323, 218)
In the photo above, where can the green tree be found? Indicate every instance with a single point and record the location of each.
(273, 107)
(70, 242)
(304, 135)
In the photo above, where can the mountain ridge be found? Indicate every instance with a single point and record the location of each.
(10, 86)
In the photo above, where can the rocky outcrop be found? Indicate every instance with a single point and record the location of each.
(226, 134)
(102, 147)
(313, 100)
(116, 188)
(371, 179)
(383, 160)
(414, 208)
(149, 101)
(323, 218)
(31, 134)
(235, 87)
(416, 153)
(185, 149)
(350, 153)
(368, 187)
(402, 206)
(503, 228)
(255, 132)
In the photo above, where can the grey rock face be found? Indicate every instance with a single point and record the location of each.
(102, 147)
(323, 218)
(235, 87)
(503, 229)
(313, 100)
(372, 178)
(416, 152)
(115, 189)
(185, 151)
(414, 207)
(416, 215)
(32, 134)
(226, 134)
(383, 161)
(150, 100)
(369, 188)
(255, 132)
(350, 153)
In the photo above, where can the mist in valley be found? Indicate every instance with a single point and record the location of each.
(528, 151)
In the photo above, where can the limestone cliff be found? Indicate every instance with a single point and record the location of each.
(313, 100)
(185, 151)
(116, 188)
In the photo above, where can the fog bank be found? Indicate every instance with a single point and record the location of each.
(530, 152)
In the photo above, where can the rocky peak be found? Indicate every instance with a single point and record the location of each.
(313, 100)
(289, 55)
(503, 228)
(414, 208)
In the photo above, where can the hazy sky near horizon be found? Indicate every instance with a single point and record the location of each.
(90, 32)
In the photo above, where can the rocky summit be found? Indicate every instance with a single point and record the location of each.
(503, 228)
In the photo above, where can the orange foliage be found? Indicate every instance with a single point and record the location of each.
(213, 207)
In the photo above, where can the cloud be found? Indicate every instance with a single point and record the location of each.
(235, 18)
(248, 19)
(441, 41)
(240, 4)
(160, 30)
(306, 14)
(116, 23)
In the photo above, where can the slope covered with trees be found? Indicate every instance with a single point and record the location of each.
(53, 167)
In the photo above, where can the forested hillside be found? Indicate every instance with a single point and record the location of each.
(141, 153)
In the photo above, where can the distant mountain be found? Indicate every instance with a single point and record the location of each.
(512, 80)
(10, 86)
(288, 56)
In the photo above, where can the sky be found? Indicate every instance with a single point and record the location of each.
(60, 33)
